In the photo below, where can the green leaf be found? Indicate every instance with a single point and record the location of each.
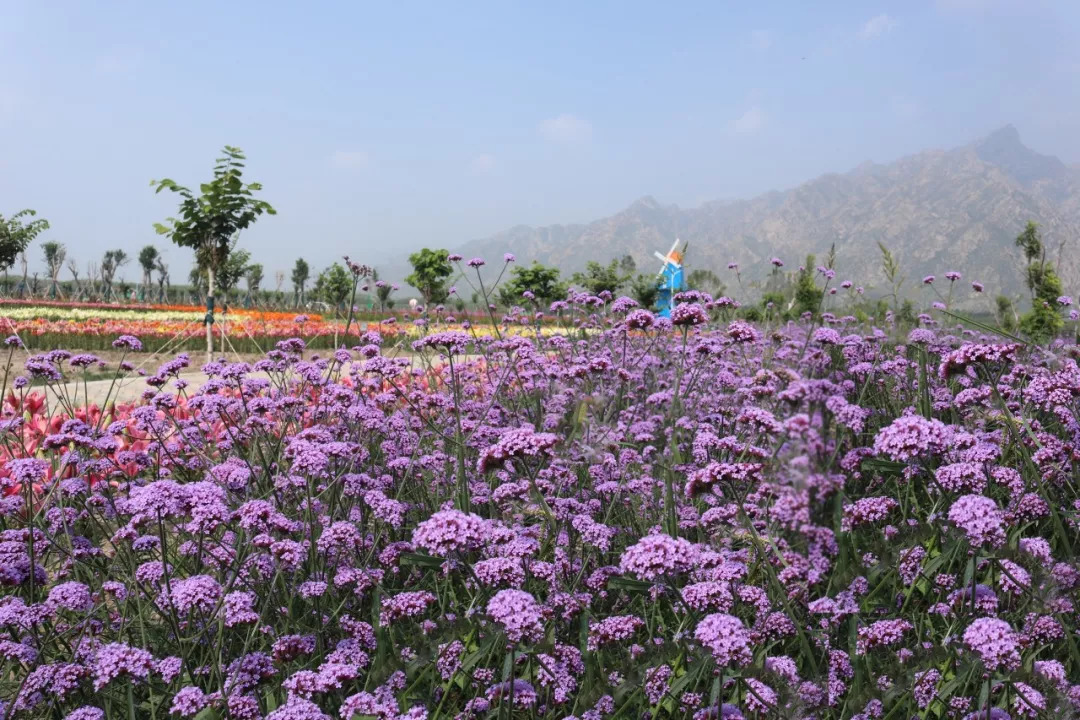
(630, 584)
(883, 467)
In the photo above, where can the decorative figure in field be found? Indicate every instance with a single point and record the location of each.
(670, 278)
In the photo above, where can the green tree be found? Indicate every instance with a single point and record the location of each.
(542, 281)
(300, 274)
(778, 302)
(705, 280)
(645, 289)
(197, 280)
(808, 295)
(430, 275)
(1043, 321)
(383, 290)
(111, 262)
(148, 261)
(231, 272)
(906, 314)
(163, 279)
(209, 223)
(54, 254)
(16, 235)
(253, 277)
(628, 265)
(598, 278)
(1005, 313)
(334, 285)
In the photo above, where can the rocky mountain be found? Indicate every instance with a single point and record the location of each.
(938, 210)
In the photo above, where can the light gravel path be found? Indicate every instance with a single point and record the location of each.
(130, 388)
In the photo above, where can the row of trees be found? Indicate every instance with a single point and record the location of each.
(434, 272)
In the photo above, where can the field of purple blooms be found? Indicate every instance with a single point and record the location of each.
(689, 518)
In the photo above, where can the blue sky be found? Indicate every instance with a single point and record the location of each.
(380, 127)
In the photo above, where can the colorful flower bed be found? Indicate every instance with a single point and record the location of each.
(57, 310)
(699, 519)
(90, 326)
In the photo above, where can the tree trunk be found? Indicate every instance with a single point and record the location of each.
(209, 314)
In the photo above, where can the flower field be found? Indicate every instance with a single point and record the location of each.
(174, 328)
(643, 518)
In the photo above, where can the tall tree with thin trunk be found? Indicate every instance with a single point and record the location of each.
(148, 259)
(300, 274)
(210, 222)
(110, 263)
(73, 267)
(54, 254)
(163, 279)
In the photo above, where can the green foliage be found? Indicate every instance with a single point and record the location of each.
(541, 280)
(891, 269)
(300, 274)
(1030, 241)
(334, 285)
(148, 259)
(777, 299)
(628, 265)
(750, 313)
(16, 235)
(430, 275)
(112, 261)
(197, 280)
(1043, 321)
(209, 222)
(808, 295)
(254, 277)
(234, 268)
(1005, 313)
(54, 254)
(645, 289)
(382, 291)
(598, 278)
(705, 280)
(907, 315)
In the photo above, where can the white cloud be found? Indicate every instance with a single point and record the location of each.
(761, 40)
(482, 164)
(566, 128)
(350, 159)
(750, 121)
(876, 26)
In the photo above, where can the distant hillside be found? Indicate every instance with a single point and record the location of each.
(938, 210)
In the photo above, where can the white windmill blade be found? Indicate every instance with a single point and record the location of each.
(664, 258)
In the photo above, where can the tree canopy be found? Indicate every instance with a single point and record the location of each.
(16, 234)
(540, 280)
(209, 222)
(599, 278)
(430, 275)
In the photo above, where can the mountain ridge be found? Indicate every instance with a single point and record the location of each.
(937, 210)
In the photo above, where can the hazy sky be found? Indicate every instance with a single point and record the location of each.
(379, 127)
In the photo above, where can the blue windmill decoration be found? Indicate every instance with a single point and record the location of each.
(670, 278)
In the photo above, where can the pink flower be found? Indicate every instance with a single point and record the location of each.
(726, 637)
(518, 613)
(654, 556)
(994, 641)
(979, 517)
